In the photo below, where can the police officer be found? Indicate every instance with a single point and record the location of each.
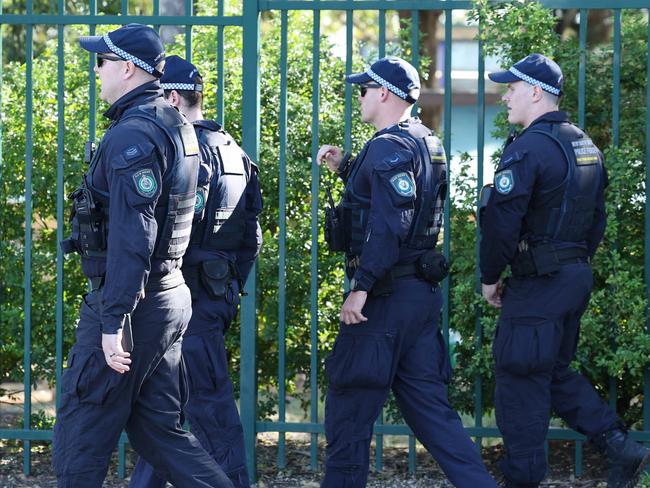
(226, 239)
(131, 224)
(387, 224)
(545, 218)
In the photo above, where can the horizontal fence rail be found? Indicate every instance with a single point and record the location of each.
(250, 22)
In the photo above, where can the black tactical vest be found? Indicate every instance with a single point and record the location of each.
(175, 207)
(430, 168)
(566, 213)
(222, 224)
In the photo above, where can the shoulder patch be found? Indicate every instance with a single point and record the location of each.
(586, 152)
(145, 182)
(199, 204)
(403, 185)
(504, 181)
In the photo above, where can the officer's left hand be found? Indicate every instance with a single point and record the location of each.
(115, 356)
(492, 293)
(351, 310)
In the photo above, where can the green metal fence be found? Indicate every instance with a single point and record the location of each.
(249, 20)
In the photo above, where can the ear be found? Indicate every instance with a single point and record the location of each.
(129, 70)
(538, 94)
(384, 93)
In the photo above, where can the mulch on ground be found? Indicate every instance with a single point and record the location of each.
(298, 473)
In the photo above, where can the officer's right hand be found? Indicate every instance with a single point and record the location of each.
(331, 155)
(116, 357)
(492, 293)
(352, 308)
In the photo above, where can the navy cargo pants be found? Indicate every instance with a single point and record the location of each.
(535, 342)
(97, 402)
(399, 347)
(211, 409)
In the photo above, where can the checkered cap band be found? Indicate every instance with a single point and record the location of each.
(387, 84)
(128, 57)
(534, 82)
(181, 86)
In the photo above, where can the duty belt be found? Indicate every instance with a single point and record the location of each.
(385, 285)
(526, 263)
(157, 283)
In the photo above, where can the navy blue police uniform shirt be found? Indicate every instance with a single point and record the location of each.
(532, 164)
(245, 256)
(387, 170)
(129, 148)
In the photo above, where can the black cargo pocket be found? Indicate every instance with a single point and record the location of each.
(526, 345)
(200, 363)
(360, 361)
(215, 276)
(444, 363)
(96, 382)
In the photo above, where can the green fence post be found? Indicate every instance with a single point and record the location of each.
(29, 163)
(646, 375)
(250, 143)
(282, 245)
(315, 183)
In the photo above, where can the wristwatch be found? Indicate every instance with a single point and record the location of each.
(355, 285)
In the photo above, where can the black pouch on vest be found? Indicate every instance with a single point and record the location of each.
(545, 259)
(216, 277)
(432, 267)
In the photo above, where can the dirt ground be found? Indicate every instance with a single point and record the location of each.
(299, 475)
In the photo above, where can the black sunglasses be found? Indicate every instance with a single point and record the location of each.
(107, 57)
(366, 87)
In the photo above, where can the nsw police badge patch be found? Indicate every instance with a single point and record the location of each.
(504, 182)
(403, 185)
(199, 204)
(145, 183)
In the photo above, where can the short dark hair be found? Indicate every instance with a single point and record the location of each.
(192, 98)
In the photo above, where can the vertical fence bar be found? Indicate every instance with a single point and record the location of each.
(447, 145)
(582, 68)
(578, 459)
(221, 76)
(188, 31)
(92, 82)
(282, 284)
(646, 374)
(314, 239)
(412, 453)
(250, 143)
(349, 27)
(616, 94)
(27, 330)
(59, 202)
(124, 7)
(415, 46)
(381, 47)
(480, 156)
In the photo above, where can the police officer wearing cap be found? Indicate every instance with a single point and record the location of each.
(387, 225)
(131, 223)
(226, 239)
(545, 217)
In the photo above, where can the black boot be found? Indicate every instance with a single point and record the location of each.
(626, 459)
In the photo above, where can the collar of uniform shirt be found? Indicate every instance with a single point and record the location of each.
(141, 94)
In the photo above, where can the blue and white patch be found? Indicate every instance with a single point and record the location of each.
(199, 204)
(145, 183)
(504, 182)
(132, 152)
(403, 185)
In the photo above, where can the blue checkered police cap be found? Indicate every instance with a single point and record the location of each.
(535, 69)
(180, 74)
(399, 76)
(137, 43)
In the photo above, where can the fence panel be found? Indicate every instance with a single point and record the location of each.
(250, 21)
